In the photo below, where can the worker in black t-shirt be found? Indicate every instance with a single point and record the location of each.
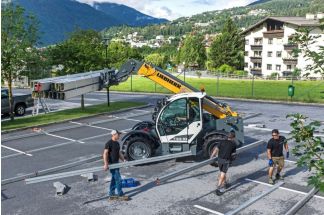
(111, 155)
(226, 150)
(275, 155)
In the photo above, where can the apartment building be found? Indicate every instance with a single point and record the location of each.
(269, 47)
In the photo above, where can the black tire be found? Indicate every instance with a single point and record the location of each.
(138, 147)
(210, 143)
(20, 110)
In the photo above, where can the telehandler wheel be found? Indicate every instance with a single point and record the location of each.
(138, 147)
(210, 144)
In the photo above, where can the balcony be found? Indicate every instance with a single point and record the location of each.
(290, 46)
(287, 73)
(256, 47)
(274, 34)
(256, 71)
(289, 60)
(256, 59)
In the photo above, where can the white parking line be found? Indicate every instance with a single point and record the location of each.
(290, 161)
(65, 138)
(283, 188)
(16, 150)
(54, 146)
(208, 210)
(135, 120)
(93, 126)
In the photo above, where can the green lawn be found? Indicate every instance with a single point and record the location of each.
(305, 91)
(66, 115)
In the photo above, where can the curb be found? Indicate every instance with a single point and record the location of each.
(230, 99)
(85, 117)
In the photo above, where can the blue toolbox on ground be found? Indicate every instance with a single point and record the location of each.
(130, 182)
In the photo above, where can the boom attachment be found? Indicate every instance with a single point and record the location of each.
(172, 83)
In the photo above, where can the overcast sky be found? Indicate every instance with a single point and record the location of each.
(172, 9)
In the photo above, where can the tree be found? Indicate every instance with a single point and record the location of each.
(83, 51)
(156, 59)
(309, 149)
(227, 48)
(18, 40)
(307, 47)
(193, 52)
(119, 53)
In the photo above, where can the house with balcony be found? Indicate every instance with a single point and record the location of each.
(269, 47)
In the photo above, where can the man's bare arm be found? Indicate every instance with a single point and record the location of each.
(269, 153)
(121, 156)
(214, 153)
(105, 159)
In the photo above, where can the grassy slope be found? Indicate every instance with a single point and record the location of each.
(305, 91)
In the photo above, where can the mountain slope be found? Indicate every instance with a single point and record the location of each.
(211, 22)
(58, 18)
(126, 14)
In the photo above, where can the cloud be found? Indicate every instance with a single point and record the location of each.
(205, 2)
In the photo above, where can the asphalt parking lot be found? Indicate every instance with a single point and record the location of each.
(191, 193)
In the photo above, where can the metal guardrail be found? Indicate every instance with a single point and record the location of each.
(100, 168)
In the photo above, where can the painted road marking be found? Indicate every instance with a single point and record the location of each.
(93, 126)
(64, 138)
(283, 188)
(135, 120)
(281, 131)
(16, 150)
(208, 210)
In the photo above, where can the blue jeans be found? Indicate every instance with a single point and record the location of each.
(115, 183)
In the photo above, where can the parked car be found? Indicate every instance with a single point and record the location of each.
(20, 103)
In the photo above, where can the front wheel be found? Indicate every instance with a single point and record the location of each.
(138, 148)
(20, 110)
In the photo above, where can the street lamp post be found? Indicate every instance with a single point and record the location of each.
(106, 65)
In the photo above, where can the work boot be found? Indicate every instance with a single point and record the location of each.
(271, 181)
(227, 185)
(279, 177)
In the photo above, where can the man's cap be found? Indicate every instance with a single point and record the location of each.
(113, 132)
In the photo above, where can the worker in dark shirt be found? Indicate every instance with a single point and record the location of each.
(275, 154)
(111, 155)
(225, 150)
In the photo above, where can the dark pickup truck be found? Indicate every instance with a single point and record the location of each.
(21, 102)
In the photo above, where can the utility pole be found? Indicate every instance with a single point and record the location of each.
(106, 62)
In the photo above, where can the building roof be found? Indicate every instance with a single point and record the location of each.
(294, 20)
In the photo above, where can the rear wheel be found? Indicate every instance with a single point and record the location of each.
(138, 147)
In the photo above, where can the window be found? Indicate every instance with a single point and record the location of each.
(246, 42)
(246, 65)
(257, 65)
(270, 41)
(278, 54)
(257, 41)
(246, 53)
(257, 53)
(289, 67)
(278, 67)
(269, 67)
(4, 94)
(167, 118)
(269, 54)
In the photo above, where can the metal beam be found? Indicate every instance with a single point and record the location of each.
(251, 201)
(302, 202)
(100, 168)
(201, 164)
(50, 170)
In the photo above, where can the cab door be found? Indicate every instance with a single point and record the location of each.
(179, 123)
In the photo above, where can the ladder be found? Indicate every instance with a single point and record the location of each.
(39, 102)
